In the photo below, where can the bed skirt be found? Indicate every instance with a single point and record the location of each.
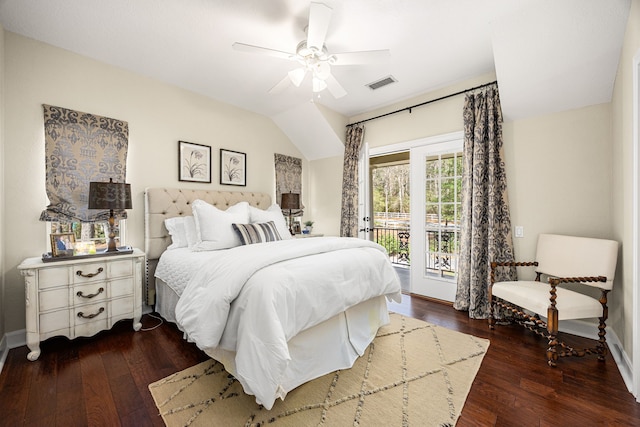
(331, 345)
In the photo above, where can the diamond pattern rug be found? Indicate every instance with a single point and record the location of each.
(414, 373)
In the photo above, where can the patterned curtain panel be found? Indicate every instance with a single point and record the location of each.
(81, 148)
(349, 213)
(486, 225)
(288, 179)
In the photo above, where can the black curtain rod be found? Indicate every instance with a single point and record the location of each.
(423, 103)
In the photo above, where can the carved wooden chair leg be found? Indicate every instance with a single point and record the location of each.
(601, 346)
(552, 354)
(552, 325)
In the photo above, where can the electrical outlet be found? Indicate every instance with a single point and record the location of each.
(519, 231)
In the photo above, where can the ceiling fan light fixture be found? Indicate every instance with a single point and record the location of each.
(297, 76)
(318, 85)
(322, 70)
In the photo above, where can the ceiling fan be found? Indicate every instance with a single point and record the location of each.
(313, 56)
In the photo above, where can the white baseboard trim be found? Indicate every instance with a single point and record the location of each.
(4, 351)
(585, 329)
(11, 340)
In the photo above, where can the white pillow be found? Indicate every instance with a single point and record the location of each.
(214, 227)
(182, 230)
(272, 213)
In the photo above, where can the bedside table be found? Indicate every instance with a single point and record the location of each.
(304, 236)
(79, 298)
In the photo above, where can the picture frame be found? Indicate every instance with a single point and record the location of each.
(233, 168)
(194, 162)
(62, 244)
(297, 229)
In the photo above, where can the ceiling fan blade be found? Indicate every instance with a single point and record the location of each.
(335, 88)
(319, 17)
(362, 57)
(280, 86)
(242, 47)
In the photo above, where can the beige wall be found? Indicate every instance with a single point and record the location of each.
(325, 176)
(2, 216)
(326, 188)
(158, 115)
(622, 174)
(559, 175)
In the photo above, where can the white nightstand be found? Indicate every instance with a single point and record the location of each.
(304, 236)
(82, 297)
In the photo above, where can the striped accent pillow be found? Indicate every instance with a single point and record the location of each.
(257, 233)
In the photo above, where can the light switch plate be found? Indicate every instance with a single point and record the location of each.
(519, 231)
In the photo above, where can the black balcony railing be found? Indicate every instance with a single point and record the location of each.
(395, 241)
(442, 256)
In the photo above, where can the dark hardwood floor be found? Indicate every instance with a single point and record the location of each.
(102, 381)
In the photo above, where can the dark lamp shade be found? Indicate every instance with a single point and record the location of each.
(109, 195)
(290, 201)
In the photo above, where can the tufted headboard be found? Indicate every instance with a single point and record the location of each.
(163, 203)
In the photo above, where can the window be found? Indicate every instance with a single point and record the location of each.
(443, 182)
(97, 232)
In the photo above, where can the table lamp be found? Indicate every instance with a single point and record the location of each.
(113, 196)
(290, 201)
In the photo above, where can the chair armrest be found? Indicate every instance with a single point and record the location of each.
(555, 281)
(496, 264)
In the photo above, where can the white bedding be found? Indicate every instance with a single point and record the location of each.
(278, 289)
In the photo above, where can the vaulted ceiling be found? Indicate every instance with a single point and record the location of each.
(548, 55)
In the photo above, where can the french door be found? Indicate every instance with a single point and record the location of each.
(436, 180)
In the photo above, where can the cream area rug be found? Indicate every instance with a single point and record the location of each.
(413, 374)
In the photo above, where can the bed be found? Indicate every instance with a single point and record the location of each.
(276, 314)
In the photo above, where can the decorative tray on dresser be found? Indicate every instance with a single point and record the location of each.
(80, 297)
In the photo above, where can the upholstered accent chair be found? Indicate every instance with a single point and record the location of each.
(570, 265)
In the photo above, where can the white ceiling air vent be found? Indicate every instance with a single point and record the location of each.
(382, 82)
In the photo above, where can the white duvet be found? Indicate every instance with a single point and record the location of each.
(278, 289)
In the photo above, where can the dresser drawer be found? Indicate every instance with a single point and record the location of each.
(121, 287)
(54, 321)
(91, 313)
(89, 293)
(121, 308)
(53, 299)
(52, 277)
(89, 272)
(120, 268)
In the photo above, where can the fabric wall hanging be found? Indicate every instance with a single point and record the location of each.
(288, 179)
(81, 148)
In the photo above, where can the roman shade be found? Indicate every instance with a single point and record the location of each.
(81, 148)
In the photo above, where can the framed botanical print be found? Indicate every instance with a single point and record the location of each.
(233, 167)
(194, 162)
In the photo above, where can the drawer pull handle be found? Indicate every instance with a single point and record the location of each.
(90, 316)
(89, 275)
(81, 295)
